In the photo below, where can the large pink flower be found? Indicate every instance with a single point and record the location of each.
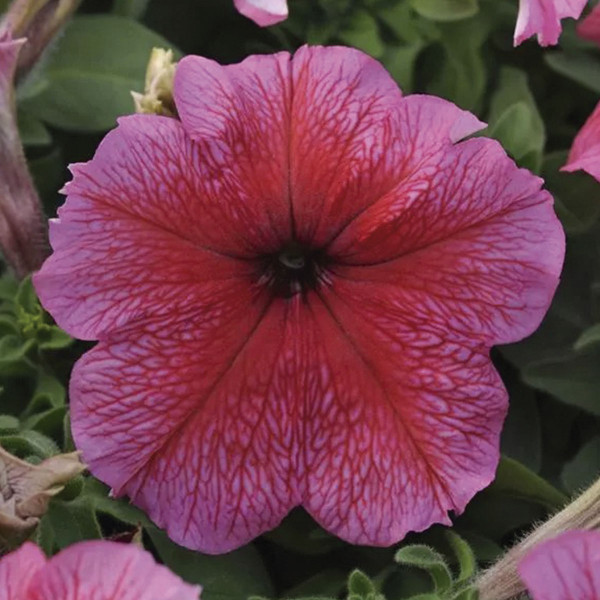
(564, 568)
(542, 17)
(96, 570)
(585, 152)
(263, 12)
(295, 289)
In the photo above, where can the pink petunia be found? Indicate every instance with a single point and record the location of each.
(97, 570)
(564, 568)
(585, 152)
(542, 17)
(295, 289)
(589, 28)
(263, 12)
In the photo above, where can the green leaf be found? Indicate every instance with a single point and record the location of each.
(8, 424)
(362, 31)
(464, 555)
(522, 435)
(97, 63)
(119, 509)
(590, 337)
(13, 350)
(48, 422)
(32, 131)
(28, 443)
(54, 338)
(573, 378)
(446, 10)
(73, 521)
(426, 558)
(49, 392)
(514, 479)
(134, 9)
(462, 77)
(515, 120)
(582, 471)
(360, 585)
(400, 62)
(580, 67)
(328, 583)
(233, 576)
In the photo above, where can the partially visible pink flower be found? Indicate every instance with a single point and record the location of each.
(564, 568)
(295, 289)
(589, 28)
(585, 152)
(542, 17)
(95, 570)
(263, 12)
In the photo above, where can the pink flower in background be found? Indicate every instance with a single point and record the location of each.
(295, 289)
(585, 152)
(589, 28)
(263, 12)
(95, 570)
(542, 17)
(564, 568)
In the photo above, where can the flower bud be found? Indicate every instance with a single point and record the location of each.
(157, 98)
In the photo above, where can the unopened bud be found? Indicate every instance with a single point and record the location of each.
(157, 98)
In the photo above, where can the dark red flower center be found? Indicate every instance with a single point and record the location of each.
(295, 269)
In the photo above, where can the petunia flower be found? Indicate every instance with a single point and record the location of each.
(295, 289)
(564, 568)
(542, 17)
(95, 570)
(263, 12)
(585, 152)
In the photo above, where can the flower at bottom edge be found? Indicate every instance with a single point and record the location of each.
(566, 567)
(295, 288)
(100, 570)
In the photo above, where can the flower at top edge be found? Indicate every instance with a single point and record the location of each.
(566, 567)
(295, 288)
(542, 18)
(95, 570)
(263, 12)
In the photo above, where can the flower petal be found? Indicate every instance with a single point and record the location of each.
(263, 12)
(17, 569)
(542, 17)
(468, 237)
(191, 418)
(420, 153)
(564, 568)
(134, 241)
(107, 570)
(238, 115)
(589, 28)
(344, 104)
(585, 152)
(492, 282)
(375, 470)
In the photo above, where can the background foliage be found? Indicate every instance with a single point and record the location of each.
(534, 100)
